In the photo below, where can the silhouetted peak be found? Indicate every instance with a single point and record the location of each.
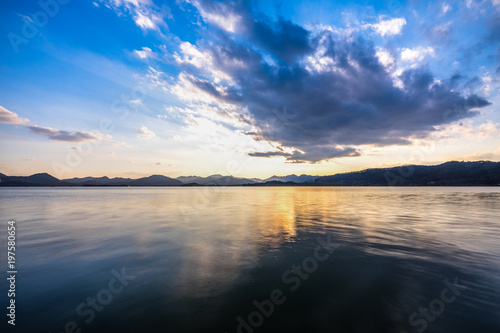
(42, 176)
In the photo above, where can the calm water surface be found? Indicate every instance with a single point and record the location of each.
(340, 259)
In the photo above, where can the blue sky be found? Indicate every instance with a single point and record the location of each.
(249, 88)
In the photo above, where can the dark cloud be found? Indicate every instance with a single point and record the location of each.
(324, 94)
(313, 155)
(59, 135)
(269, 154)
(473, 83)
(455, 79)
(283, 38)
(493, 26)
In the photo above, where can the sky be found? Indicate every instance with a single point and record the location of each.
(130, 88)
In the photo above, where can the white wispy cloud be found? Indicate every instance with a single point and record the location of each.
(145, 133)
(389, 27)
(145, 13)
(417, 54)
(219, 14)
(190, 89)
(462, 130)
(145, 53)
(446, 8)
(385, 58)
(191, 55)
(9, 117)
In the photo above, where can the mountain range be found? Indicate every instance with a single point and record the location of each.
(447, 174)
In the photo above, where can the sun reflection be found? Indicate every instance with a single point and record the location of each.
(279, 224)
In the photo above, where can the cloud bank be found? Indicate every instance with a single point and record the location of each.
(316, 94)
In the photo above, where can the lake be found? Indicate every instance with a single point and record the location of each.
(238, 259)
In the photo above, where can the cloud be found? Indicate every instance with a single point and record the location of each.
(145, 53)
(145, 13)
(483, 156)
(416, 55)
(441, 33)
(389, 27)
(313, 155)
(317, 95)
(204, 61)
(145, 22)
(446, 8)
(282, 38)
(218, 13)
(489, 130)
(461, 130)
(385, 58)
(59, 135)
(9, 117)
(145, 133)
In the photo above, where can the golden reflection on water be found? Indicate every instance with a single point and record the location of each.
(228, 233)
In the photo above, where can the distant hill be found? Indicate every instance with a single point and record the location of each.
(156, 180)
(87, 180)
(216, 180)
(39, 179)
(446, 174)
(482, 173)
(292, 178)
(188, 179)
(279, 183)
(100, 181)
